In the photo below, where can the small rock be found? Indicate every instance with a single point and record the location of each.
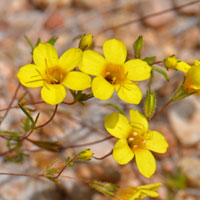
(188, 10)
(93, 3)
(182, 194)
(184, 120)
(54, 21)
(190, 166)
(154, 6)
(43, 4)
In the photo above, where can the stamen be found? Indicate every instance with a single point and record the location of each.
(130, 139)
(114, 79)
(135, 133)
(107, 73)
(114, 74)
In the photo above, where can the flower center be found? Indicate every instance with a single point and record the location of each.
(137, 140)
(114, 74)
(55, 75)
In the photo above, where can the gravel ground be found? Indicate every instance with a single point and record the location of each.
(176, 32)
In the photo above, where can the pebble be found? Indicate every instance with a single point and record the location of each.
(190, 166)
(154, 6)
(193, 9)
(184, 120)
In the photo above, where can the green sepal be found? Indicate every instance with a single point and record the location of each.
(150, 60)
(162, 72)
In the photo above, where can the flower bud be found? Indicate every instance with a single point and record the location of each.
(150, 104)
(171, 62)
(84, 155)
(137, 46)
(86, 42)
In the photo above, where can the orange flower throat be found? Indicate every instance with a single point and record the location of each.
(114, 74)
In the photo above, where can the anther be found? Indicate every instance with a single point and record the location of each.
(107, 73)
(135, 133)
(114, 79)
(130, 139)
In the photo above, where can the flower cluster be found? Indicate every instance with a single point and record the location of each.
(111, 73)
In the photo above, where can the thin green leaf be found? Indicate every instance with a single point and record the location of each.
(38, 42)
(52, 163)
(53, 179)
(29, 42)
(116, 108)
(12, 133)
(26, 113)
(104, 187)
(48, 145)
(162, 72)
(37, 117)
(51, 171)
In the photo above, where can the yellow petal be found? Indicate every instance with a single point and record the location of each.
(115, 51)
(122, 152)
(145, 190)
(196, 62)
(53, 93)
(194, 77)
(137, 70)
(138, 121)
(117, 125)
(45, 55)
(136, 195)
(77, 80)
(92, 63)
(149, 193)
(29, 76)
(129, 92)
(101, 88)
(70, 59)
(183, 66)
(145, 162)
(152, 186)
(157, 142)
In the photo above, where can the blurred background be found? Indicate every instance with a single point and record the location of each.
(176, 32)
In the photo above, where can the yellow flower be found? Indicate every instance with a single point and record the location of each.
(53, 73)
(137, 193)
(192, 77)
(135, 139)
(113, 73)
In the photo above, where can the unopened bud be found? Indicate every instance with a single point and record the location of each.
(150, 104)
(171, 62)
(137, 46)
(86, 42)
(84, 155)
